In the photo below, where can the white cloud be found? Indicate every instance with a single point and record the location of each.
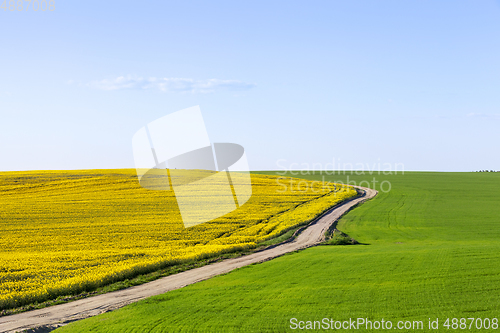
(170, 84)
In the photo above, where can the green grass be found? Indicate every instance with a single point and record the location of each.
(434, 252)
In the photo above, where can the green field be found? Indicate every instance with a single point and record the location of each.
(431, 250)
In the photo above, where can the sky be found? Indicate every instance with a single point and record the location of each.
(408, 84)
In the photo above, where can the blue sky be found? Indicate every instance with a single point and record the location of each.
(296, 83)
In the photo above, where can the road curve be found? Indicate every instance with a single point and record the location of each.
(62, 314)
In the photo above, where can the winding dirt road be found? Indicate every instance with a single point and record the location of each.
(58, 315)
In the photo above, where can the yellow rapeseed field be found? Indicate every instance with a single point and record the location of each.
(65, 232)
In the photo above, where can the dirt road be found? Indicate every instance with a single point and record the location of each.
(58, 315)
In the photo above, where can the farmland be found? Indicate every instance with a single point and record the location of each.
(432, 250)
(67, 232)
